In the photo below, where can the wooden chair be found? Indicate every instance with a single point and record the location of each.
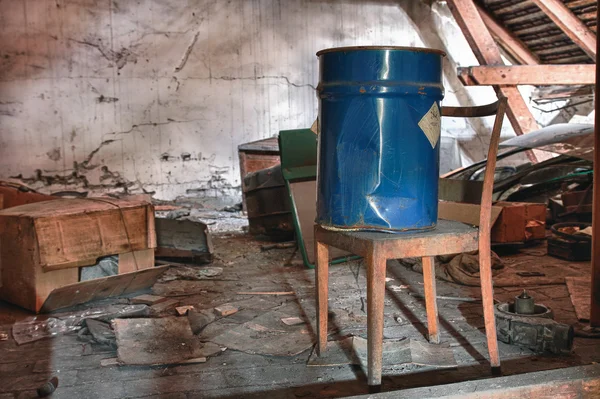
(447, 238)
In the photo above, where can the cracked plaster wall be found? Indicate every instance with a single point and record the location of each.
(156, 95)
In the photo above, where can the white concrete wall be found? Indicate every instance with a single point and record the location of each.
(156, 95)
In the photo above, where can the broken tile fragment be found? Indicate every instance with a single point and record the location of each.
(183, 310)
(111, 361)
(163, 307)
(292, 321)
(148, 299)
(266, 335)
(226, 310)
(200, 319)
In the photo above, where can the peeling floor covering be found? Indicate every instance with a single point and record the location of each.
(235, 374)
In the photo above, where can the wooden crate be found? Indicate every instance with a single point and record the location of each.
(42, 245)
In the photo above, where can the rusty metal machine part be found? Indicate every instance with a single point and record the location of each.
(524, 304)
(531, 325)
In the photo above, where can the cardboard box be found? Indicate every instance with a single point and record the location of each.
(511, 221)
(510, 226)
(535, 221)
(43, 244)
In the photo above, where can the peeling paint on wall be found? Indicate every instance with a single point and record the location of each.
(127, 97)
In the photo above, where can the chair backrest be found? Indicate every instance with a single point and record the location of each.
(498, 109)
(485, 211)
(298, 152)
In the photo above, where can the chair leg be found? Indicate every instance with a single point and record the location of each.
(322, 279)
(376, 268)
(487, 297)
(430, 299)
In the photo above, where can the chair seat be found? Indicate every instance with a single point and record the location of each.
(448, 237)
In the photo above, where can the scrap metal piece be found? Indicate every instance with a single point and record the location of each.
(536, 331)
(524, 304)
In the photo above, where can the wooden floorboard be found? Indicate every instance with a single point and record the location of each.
(236, 374)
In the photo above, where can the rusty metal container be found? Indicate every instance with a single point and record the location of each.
(379, 121)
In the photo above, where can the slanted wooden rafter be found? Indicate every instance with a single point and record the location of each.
(538, 75)
(487, 53)
(572, 26)
(512, 45)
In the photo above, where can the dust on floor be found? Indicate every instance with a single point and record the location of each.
(242, 370)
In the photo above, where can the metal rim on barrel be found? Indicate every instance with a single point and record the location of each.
(361, 48)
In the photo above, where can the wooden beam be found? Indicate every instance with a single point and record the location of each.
(510, 43)
(595, 305)
(485, 49)
(543, 94)
(570, 382)
(570, 24)
(538, 75)
(479, 38)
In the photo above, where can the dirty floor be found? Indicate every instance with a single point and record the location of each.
(245, 369)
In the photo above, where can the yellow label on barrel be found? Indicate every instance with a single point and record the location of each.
(430, 124)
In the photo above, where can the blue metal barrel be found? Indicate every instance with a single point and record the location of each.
(379, 121)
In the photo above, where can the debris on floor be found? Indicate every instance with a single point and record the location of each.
(48, 388)
(99, 332)
(457, 268)
(183, 310)
(147, 299)
(191, 273)
(226, 310)
(570, 241)
(167, 340)
(281, 245)
(267, 335)
(39, 327)
(292, 321)
(353, 350)
(249, 307)
(464, 269)
(200, 319)
(164, 307)
(580, 293)
(106, 266)
(183, 241)
(529, 325)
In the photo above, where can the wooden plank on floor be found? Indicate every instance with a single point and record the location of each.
(580, 293)
(573, 382)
